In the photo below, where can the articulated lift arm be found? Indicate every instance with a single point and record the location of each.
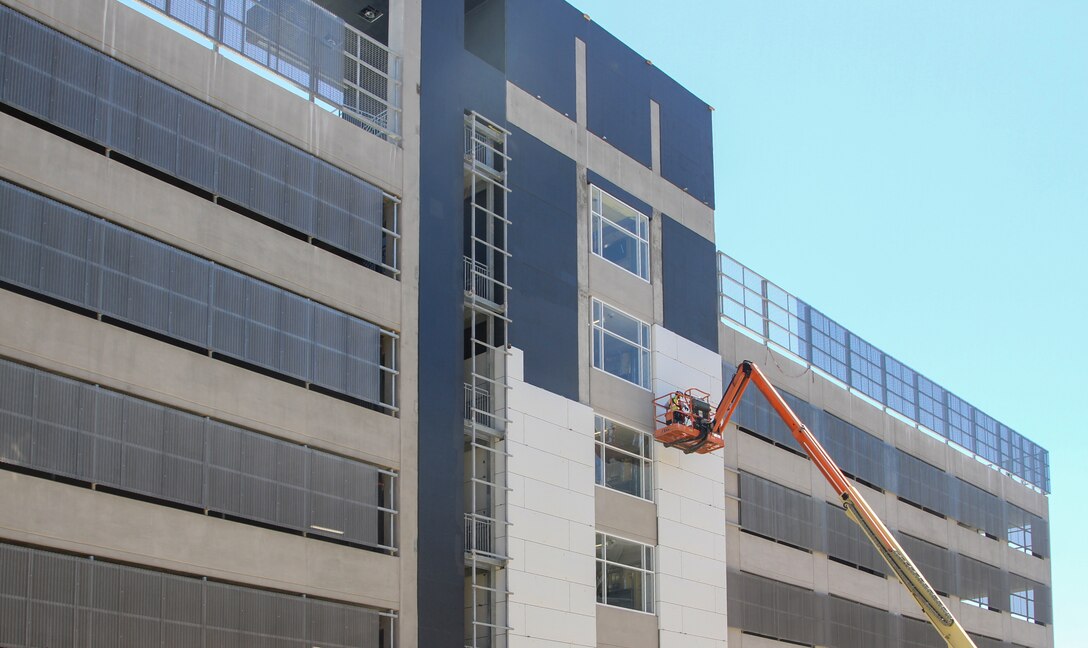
(855, 506)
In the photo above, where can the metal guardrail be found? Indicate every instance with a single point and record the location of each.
(478, 279)
(479, 534)
(309, 47)
(749, 300)
(478, 407)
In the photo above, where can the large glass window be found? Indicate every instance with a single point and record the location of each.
(621, 234)
(625, 573)
(621, 345)
(623, 460)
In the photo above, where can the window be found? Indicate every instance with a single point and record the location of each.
(621, 345)
(1020, 530)
(623, 460)
(625, 576)
(621, 234)
(1022, 604)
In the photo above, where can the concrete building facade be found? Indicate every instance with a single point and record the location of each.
(339, 323)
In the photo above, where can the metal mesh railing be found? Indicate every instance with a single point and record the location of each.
(749, 300)
(308, 46)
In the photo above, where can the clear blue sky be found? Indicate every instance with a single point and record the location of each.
(918, 171)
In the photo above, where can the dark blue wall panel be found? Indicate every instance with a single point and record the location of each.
(619, 85)
(452, 80)
(618, 94)
(540, 50)
(689, 274)
(687, 155)
(544, 263)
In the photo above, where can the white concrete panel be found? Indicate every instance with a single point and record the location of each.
(552, 572)
(690, 500)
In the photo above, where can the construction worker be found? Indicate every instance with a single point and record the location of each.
(675, 413)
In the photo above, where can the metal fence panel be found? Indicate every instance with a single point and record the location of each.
(750, 301)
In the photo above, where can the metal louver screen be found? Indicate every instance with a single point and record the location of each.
(52, 77)
(74, 429)
(66, 254)
(52, 599)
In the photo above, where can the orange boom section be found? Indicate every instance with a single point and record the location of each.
(692, 425)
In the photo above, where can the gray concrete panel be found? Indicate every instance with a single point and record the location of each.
(621, 289)
(620, 628)
(625, 515)
(610, 394)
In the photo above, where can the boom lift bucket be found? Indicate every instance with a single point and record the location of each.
(685, 421)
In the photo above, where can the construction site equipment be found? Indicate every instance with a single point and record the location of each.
(689, 424)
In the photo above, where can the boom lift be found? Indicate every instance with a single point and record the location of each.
(691, 426)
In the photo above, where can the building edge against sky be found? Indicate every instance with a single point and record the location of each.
(245, 397)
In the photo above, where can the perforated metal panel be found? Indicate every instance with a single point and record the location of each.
(51, 599)
(777, 512)
(857, 452)
(923, 483)
(97, 265)
(936, 563)
(51, 76)
(772, 608)
(916, 633)
(980, 509)
(854, 625)
(981, 582)
(846, 541)
(74, 429)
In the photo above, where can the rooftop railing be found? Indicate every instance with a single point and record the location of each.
(299, 44)
(748, 300)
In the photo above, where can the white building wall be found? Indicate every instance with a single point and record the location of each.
(551, 574)
(690, 495)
